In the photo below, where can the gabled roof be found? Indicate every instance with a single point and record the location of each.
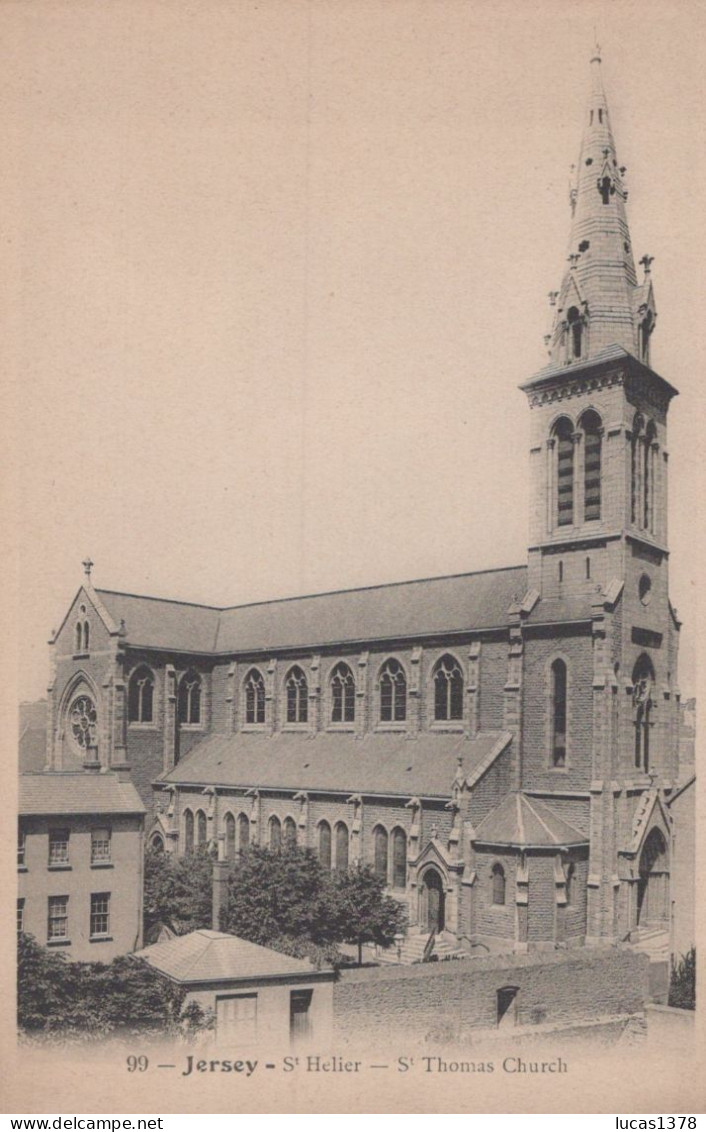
(206, 956)
(526, 823)
(77, 792)
(387, 764)
(416, 609)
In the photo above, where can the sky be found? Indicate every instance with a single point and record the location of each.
(282, 267)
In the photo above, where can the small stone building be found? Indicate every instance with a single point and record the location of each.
(261, 998)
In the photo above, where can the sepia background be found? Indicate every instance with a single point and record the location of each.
(282, 266)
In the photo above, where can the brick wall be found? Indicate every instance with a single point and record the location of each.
(461, 996)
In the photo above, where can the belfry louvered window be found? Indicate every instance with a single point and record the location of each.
(592, 431)
(558, 710)
(563, 433)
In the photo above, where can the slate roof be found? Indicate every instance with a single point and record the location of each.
(77, 792)
(526, 823)
(206, 956)
(405, 609)
(388, 764)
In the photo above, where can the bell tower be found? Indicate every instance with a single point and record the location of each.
(598, 553)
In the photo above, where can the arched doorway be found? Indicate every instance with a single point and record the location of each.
(432, 902)
(653, 883)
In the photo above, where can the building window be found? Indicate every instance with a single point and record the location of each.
(190, 698)
(201, 827)
(593, 432)
(140, 696)
(570, 878)
(297, 697)
(58, 918)
(497, 874)
(188, 831)
(58, 847)
(643, 678)
(342, 695)
(646, 328)
(21, 847)
(82, 635)
(299, 1017)
(243, 834)
(254, 697)
(448, 689)
(325, 844)
(275, 834)
(506, 999)
(100, 846)
(558, 710)
(393, 693)
(157, 842)
(399, 858)
(575, 329)
(341, 847)
(563, 434)
(229, 825)
(290, 833)
(380, 842)
(100, 913)
(83, 720)
(236, 1019)
(20, 915)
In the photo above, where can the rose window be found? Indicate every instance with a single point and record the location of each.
(83, 718)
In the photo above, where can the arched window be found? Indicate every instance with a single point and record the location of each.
(380, 841)
(497, 874)
(563, 435)
(83, 722)
(342, 694)
(325, 844)
(448, 689)
(635, 467)
(254, 697)
(575, 326)
(78, 637)
(558, 710)
(646, 328)
(570, 878)
(243, 834)
(157, 842)
(399, 858)
(200, 828)
(190, 698)
(647, 478)
(341, 843)
(297, 696)
(275, 834)
(643, 678)
(593, 432)
(140, 696)
(230, 837)
(393, 693)
(188, 831)
(290, 833)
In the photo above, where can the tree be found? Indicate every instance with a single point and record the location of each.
(178, 890)
(61, 999)
(365, 914)
(682, 984)
(279, 896)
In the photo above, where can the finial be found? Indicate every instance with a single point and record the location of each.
(646, 261)
(573, 260)
(87, 567)
(553, 296)
(596, 47)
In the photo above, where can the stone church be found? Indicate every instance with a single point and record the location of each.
(499, 746)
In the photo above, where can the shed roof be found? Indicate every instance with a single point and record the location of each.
(389, 764)
(206, 956)
(77, 792)
(526, 823)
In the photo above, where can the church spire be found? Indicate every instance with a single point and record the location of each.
(600, 302)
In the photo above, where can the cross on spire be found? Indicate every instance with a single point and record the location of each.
(87, 567)
(646, 261)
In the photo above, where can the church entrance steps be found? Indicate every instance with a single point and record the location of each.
(412, 950)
